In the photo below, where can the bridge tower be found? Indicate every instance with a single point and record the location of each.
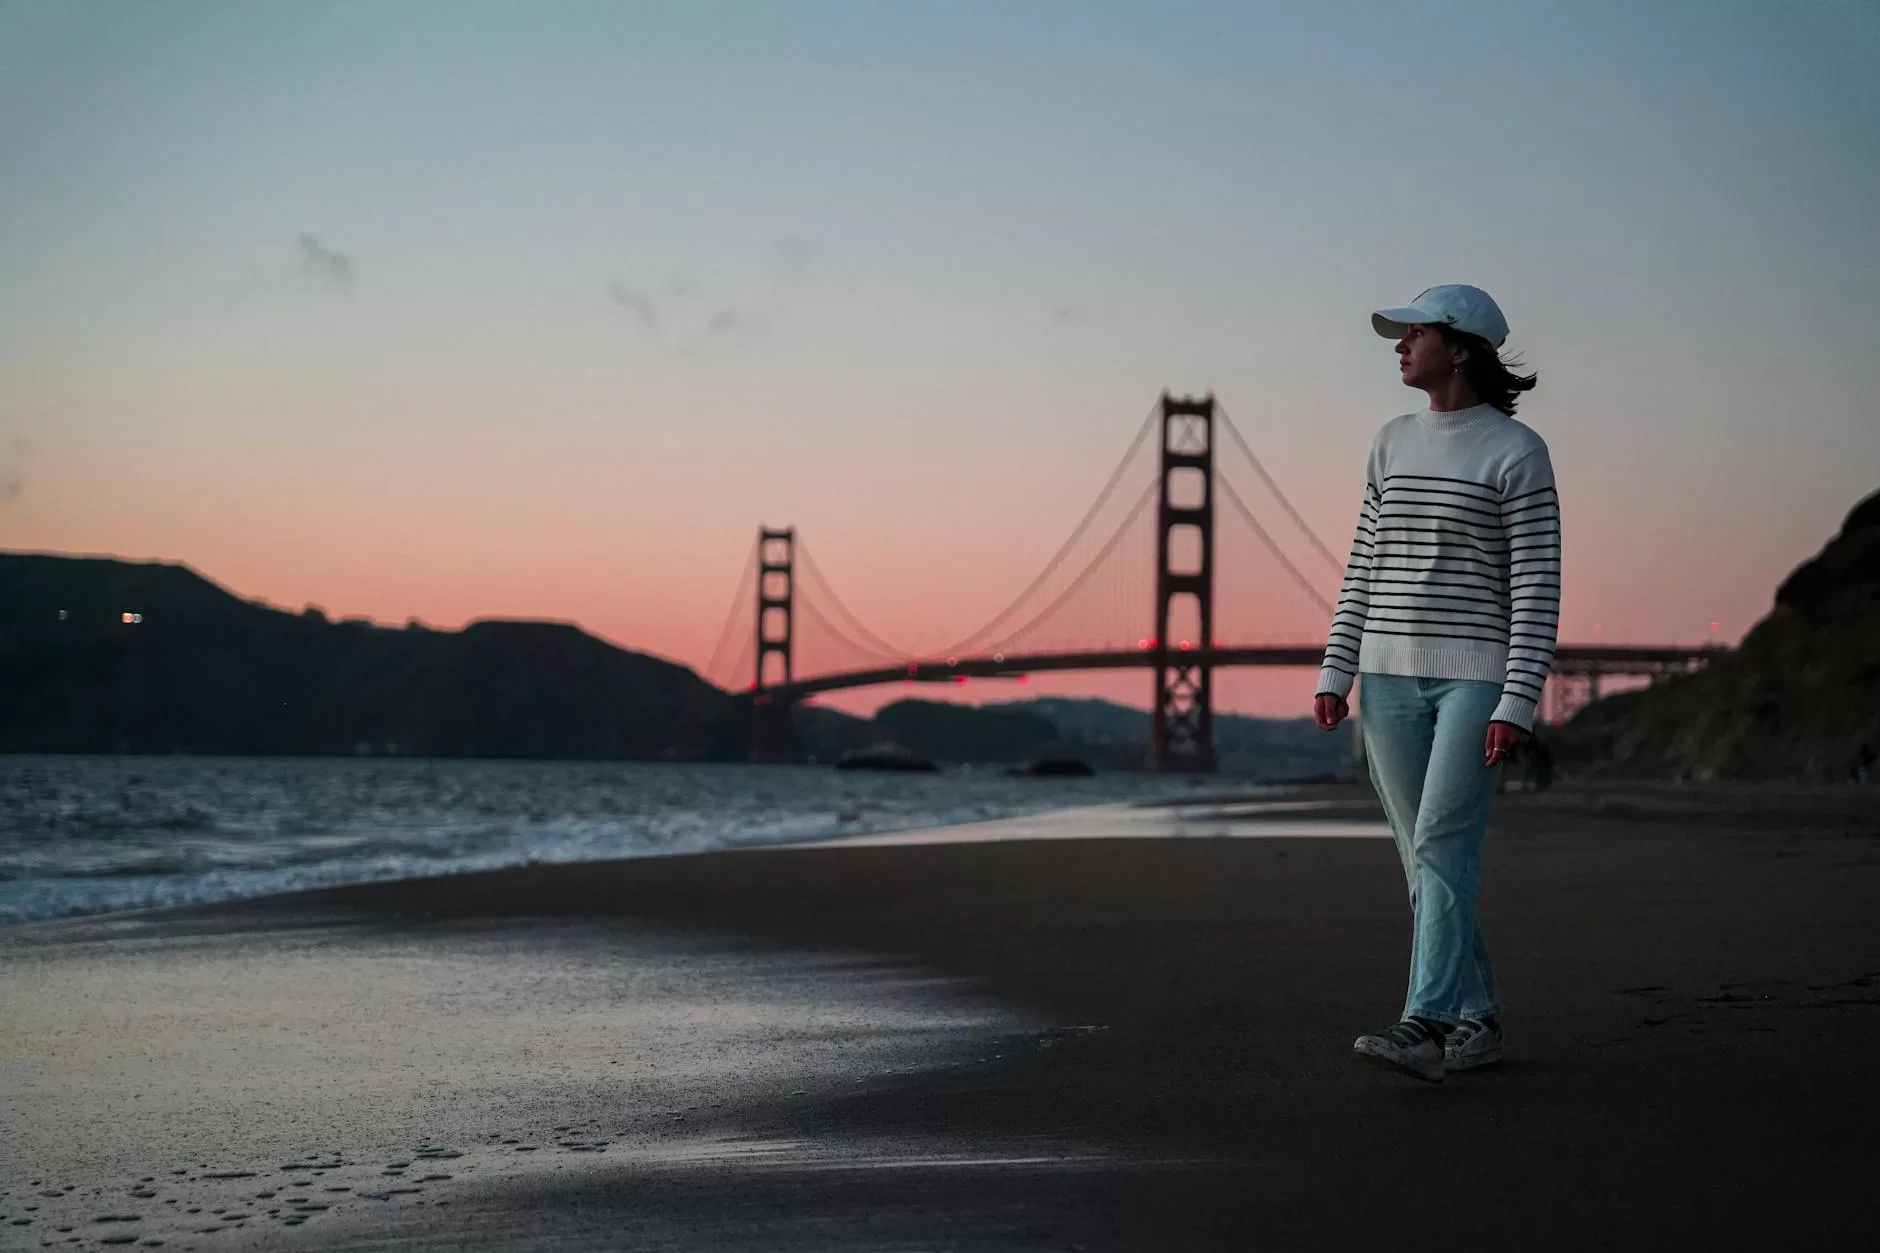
(772, 736)
(1182, 731)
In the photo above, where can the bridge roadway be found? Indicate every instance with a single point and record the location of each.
(1569, 659)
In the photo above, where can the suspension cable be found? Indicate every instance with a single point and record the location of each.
(746, 656)
(1065, 548)
(1273, 487)
(1274, 548)
(810, 605)
(1096, 562)
(877, 644)
(886, 649)
(731, 619)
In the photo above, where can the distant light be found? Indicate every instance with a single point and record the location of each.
(913, 667)
(64, 614)
(1185, 645)
(959, 678)
(998, 656)
(1145, 643)
(1713, 628)
(128, 618)
(1024, 678)
(953, 661)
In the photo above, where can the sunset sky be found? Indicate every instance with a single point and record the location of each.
(447, 310)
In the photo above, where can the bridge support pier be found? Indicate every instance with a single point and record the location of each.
(1182, 727)
(773, 731)
(773, 735)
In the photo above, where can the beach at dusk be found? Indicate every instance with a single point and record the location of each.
(1132, 1043)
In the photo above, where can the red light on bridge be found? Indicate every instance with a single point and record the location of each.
(1186, 645)
(1145, 643)
(959, 678)
(1024, 678)
(913, 668)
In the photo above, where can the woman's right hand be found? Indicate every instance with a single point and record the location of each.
(1330, 709)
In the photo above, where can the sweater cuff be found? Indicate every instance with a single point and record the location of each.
(1518, 710)
(1335, 681)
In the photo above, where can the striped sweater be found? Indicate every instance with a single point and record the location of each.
(1455, 570)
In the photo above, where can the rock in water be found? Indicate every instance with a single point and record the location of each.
(883, 757)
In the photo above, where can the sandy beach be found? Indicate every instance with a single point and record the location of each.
(1135, 1042)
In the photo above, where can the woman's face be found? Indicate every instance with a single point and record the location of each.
(1423, 358)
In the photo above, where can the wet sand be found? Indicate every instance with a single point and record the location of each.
(1131, 1043)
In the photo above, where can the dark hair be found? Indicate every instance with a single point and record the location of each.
(1493, 379)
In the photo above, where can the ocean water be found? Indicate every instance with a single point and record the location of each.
(94, 834)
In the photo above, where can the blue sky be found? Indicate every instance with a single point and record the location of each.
(463, 309)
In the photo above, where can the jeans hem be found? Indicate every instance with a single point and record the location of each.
(1420, 1011)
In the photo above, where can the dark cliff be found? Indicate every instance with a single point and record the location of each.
(1798, 699)
(206, 672)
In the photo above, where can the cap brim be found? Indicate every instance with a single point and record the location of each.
(1392, 323)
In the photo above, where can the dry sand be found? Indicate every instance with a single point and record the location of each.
(1131, 1043)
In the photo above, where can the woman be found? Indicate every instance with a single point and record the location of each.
(1449, 610)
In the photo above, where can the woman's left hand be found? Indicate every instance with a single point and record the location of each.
(1503, 739)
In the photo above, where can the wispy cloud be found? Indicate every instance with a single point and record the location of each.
(795, 257)
(783, 267)
(639, 303)
(728, 328)
(12, 468)
(681, 283)
(324, 264)
(735, 322)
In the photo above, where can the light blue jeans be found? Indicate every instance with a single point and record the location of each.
(1423, 741)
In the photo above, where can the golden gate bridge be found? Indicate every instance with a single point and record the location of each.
(1141, 595)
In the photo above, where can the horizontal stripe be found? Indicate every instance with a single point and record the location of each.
(1429, 521)
(1431, 635)
(1434, 478)
(1423, 596)
(1432, 558)
(1539, 491)
(1401, 501)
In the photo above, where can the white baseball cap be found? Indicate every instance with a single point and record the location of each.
(1466, 308)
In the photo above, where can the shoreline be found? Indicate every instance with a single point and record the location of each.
(242, 883)
(1049, 823)
(1114, 1043)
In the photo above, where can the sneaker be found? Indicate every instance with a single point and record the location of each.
(1473, 1043)
(1409, 1047)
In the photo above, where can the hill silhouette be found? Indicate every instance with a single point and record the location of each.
(1799, 698)
(207, 672)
